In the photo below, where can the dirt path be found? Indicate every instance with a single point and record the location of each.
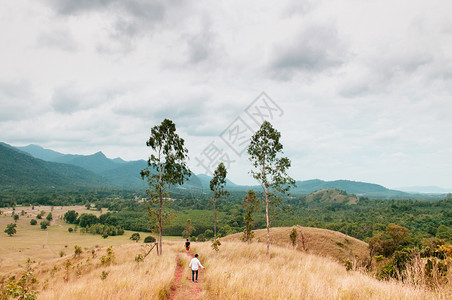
(183, 287)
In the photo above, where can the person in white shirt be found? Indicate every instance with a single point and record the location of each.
(195, 264)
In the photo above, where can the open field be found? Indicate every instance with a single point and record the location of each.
(238, 271)
(40, 245)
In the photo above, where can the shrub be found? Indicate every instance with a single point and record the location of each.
(135, 237)
(70, 229)
(44, 225)
(33, 222)
(149, 239)
(77, 250)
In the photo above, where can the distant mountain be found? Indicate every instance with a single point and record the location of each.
(352, 187)
(116, 172)
(205, 182)
(425, 189)
(41, 153)
(18, 169)
(126, 174)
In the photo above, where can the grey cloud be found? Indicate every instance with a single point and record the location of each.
(201, 45)
(316, 49)
(16, 100)
(384, 69)
(69, 98)
(61, 39)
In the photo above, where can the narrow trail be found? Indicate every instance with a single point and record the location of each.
(183, 288)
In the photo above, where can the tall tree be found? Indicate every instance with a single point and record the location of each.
(166, 167)
(217, 185)
(269, 169)
(251, 204)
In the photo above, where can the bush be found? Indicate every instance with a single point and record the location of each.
(149, 239)
(135, 237)
(33, 222)
(44, 224)
(70, 229)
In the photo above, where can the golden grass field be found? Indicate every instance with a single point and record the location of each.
(318, 241)
(238, 271)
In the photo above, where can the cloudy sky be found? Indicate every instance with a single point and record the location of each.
(360, 89)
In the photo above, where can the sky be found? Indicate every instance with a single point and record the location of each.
(359, 89)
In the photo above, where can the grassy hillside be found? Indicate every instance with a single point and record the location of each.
(237, 271)
(317, 241)
(332, 196)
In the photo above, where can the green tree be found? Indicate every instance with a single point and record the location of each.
(135, 237)
(269, 169)
(217, 185)
(293, 237)
(70, 216)
(251, 204)
(444, 232)
(166, 167)
(49, 217)
(44, 224)
(11, 229)
(188, 229)
(15, 217)
(33, 222)
(86, 220)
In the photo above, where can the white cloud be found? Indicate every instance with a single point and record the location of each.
(365, 86)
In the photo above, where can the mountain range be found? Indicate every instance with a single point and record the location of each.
(33, 165)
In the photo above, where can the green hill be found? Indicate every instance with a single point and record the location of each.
(18, 169)
(332, 196)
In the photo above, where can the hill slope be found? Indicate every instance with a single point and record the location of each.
(317, 241)
(332, 196)
(18, 169)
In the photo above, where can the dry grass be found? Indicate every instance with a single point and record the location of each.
(242, 271)
(41, 245)
(318, 241)
(124, 279)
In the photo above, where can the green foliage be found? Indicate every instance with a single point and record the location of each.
(217, 186)
(44, 224)
(293, 237)
(70, 229)
(11, 229)
(166, 167)
(33, 222)
(216, 245)
(268, 168)
(21, 289)
(104, 275)
(135, 237)
(49, 217)
(15, 217)
(104, 230)
(149, 239)
(251, 204)
(109, 258)
(86, 220)
(188, 229)
(70, 216)
(77, 250)
(139, 258)
(444, 232)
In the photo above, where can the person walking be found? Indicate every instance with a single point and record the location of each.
(195, 264)
(187, 245)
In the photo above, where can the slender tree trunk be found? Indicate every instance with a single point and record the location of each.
(159, 250)
(215, 220)
(268, 221)
(160, 223)
(266, 206)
